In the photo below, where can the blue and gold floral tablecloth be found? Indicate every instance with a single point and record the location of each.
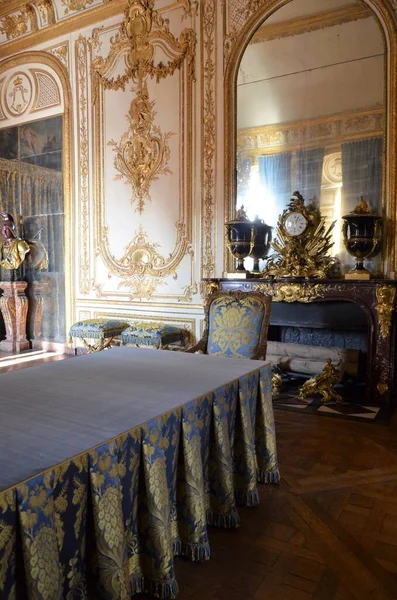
(116, 462)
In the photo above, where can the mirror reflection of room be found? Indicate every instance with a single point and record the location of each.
(31, 190)
(310, 113)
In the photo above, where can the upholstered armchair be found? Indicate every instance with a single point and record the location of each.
(236, 325)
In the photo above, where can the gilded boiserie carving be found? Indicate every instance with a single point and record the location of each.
(14, 25)
(336, 129)
(72, 5)
(321, 20)
(208, 214)
(83, 163)
(293, 292)
(386, 296)
(143, 152)
(61, 52)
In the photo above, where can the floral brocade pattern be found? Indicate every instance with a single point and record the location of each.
(109, 523)
(234, 327)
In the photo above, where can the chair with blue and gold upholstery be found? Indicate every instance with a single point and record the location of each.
(236, 325)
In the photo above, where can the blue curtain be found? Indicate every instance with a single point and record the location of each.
(309, 169)
(275, 179)
(362, 173)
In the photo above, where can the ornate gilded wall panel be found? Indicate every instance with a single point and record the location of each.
(150, 168)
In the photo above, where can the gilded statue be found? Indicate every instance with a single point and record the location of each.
(323, 384)
(362, 208)
(12, 248)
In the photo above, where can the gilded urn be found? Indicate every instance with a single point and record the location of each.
(361, 236)
(240, 238)
(262, 234)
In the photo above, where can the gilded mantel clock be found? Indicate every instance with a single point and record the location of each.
(301, 244)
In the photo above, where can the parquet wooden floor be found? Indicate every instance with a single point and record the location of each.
(327, 532)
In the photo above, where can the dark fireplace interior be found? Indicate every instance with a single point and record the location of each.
(326, 324)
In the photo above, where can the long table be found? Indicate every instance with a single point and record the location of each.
(114, 463)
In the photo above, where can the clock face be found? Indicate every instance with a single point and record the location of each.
(295, 223)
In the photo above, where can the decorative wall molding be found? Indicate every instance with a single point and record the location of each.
(320, 20)
(82, 83)
(61, 52)
(28, 90)
(208, 135)
(331, 130)
(48, 94)
(143, 152)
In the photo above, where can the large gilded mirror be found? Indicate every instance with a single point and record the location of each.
(310, 113)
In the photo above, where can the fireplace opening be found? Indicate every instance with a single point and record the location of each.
(303, 336)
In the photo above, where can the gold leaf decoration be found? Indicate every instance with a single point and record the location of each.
(143, 151)
(14, 25)
(75, 4)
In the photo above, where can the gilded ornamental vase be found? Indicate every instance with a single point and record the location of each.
(240, 238)
(361, 235)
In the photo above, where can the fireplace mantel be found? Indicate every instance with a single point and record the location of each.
(376, 297)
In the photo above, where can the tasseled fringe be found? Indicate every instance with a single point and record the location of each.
(91, 335)
(159, 588)
(197, 552)
(247, 498)
(142, 341)
(137, 584)
(269, 476)
(231, 521)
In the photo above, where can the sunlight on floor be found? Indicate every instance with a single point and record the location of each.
(7, 361)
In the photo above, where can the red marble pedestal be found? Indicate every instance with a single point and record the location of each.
(14, 308)
(37, 291)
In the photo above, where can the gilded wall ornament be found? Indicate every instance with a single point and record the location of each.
(83, 162)
(141, 286)
(47, 12)
(293, 292)
(209, 25)
(14, 25)
(141, 257)
(143, 151)
(18, 94)
(61, 53)
(385, 295)
(141, 31)
(72, 5)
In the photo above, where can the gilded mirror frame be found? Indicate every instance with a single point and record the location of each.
(37, 57)
(383, 12)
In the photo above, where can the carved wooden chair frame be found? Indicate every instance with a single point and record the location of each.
(264, 299)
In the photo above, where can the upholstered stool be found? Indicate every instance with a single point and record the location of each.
(96, 334)
(155, 335)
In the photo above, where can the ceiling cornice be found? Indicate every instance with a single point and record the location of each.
(66, 26)
(310, 23)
